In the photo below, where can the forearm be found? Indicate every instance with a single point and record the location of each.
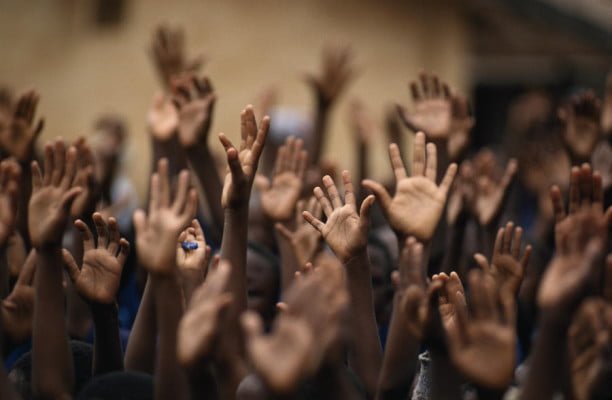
(234, 249)
(190, 279)
(454, 244)
(52, 368)
(548, 360)
(203, 165)
(107, 355)
(365, 356)
(362, 168)
(170, 380)
(172, 151)
(320, 128)
(334, 383)
(445, 380)
(140, 352)
(400, 358)
(288, 261)
(202, 383)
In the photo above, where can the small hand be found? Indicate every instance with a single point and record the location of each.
(195, 100)
(162, 119)
(10, 175)
(335, 75)
(345, 231)
(97, 280)
(278, 198)
(417, 205)
(451, 300)
(17, 310)
(507, 265)
(21, 136)
(157, 232)
(581, 118)
(305, 239)
(52, 195)
(168, 53)
(489, 333)
(242, 163)
(432, 112)
(197, 259)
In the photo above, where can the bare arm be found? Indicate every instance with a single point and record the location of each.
(140, 352)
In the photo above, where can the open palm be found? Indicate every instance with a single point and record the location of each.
(417, 205)
(98, 278)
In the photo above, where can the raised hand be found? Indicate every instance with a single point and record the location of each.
(507, 265)
(451, 297)
(582, 130)
(97, 280)
(490, 194)
(195, 100)
(168, 53)
(242, 163)
(305, 240)
(17, 310)
(432, 112)
(188, 259)
(417, 205)
(278, 197)
(572, 271)
(21, 136)
(305, 335)
(205, 321)
(488, 334)
(335, 74)
(585, 192)
(419, 305)
(10, 174)
(345, 231)
(52, 195)
(163, 118)
(157, 232)
(589, 350)
(85, 202)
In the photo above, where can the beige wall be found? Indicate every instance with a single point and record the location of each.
(82, 71)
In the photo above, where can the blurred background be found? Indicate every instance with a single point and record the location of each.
(90, 57)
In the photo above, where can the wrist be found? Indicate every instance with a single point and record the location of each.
(100, 311)
(357, 258)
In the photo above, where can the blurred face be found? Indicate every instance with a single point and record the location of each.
(382, 289)
(263, 285)
(106, 148)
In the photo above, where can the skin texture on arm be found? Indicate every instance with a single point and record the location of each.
(140, 351)
(195, 101)
(97, 282)
(363, 131)
(417, 195)
(580, 237)
(401, 350)
(334, 77)
(156, 236)
(52, 197)
(242, 167)
(345, 231)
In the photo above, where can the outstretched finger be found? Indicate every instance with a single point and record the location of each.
(349, 193)
(418, 158)
(557, 202)
(431, 168)
(574, 191)
(448, 179)
(516, 243)
(396, 162)
(181, 192)
(124, 251)
(101, 230)
(70, 265)
(113, 236)
(364, 212)
(323, 201)
(316, 223)
(86, 235)
(384, 199)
